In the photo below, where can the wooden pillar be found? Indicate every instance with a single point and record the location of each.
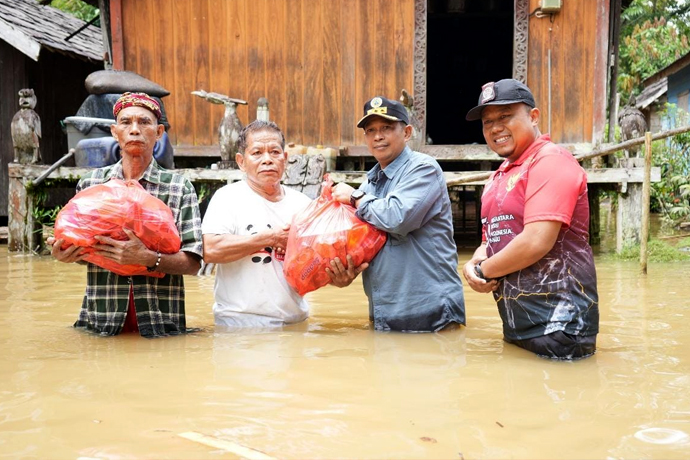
(117, 44)
(24, 234)
(628, 216)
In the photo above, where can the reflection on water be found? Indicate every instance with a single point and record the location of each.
(333, 388)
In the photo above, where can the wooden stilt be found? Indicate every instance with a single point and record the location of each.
(646, 194)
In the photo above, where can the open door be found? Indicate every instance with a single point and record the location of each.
(470, 42)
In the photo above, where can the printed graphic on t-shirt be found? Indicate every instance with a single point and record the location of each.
(264, 256)
(512, 180)
(494, 230)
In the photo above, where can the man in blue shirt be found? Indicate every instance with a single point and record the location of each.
(412, 284)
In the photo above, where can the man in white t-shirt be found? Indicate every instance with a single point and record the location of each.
(245, 231)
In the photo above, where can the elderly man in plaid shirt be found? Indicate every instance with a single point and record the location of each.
(152, 306)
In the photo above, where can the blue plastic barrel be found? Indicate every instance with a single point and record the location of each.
(105, 151)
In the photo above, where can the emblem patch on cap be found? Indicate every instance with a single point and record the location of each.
(376, 102)
(488, 93)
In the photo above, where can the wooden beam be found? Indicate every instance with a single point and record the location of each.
(594, 176)
(609, 149)
(468, 152)
(228, 446)
(29, 172)
(118, 44)
(601, 59)
(212, 151)
(20, 40)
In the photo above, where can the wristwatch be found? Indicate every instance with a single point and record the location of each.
(478, 271)
(356, 195)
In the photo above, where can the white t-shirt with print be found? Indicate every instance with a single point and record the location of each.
(252, 291)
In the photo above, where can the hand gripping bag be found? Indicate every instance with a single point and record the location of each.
(327, 229)
(106, 209)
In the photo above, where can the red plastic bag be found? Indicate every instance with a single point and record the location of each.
(327, 229)
(106, 209)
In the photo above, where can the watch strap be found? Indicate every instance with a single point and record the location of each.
(354, 196)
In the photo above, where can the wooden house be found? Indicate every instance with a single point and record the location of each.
(318, 61)
(36, 51)
(670, 84)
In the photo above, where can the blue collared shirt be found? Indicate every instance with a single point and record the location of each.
(413, 283)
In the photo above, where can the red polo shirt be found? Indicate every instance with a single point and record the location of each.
(559, 291)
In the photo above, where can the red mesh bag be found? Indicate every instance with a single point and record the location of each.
(106, 209)
(326, 229)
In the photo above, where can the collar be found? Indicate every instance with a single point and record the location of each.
(151, 174)
(529, 152)
(392, 169)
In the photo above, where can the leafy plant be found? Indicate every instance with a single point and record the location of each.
(76, 8)
(653, 35)
(671, 196)
(649, 48)
(658, 251)
(41, 214)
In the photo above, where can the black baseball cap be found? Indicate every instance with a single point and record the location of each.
(502, 92)
(387, 108)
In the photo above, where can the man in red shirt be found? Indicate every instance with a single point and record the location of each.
(535, 256)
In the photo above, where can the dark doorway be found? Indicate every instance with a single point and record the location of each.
(469, 42)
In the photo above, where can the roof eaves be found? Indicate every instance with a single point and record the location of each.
(670, 69)
(18, 39)
(652, 93)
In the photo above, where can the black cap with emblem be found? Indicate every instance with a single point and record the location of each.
(386, 108)
(502, 92)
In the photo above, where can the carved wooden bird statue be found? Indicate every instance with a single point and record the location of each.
(633, 124)
(230, 125)
(407, 100)
(26, 129)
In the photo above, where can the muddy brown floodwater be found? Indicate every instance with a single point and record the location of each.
(334, 388)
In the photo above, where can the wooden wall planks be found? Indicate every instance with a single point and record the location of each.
(316, 61)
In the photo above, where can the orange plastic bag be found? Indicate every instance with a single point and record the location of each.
(327, 229)
(106, 209)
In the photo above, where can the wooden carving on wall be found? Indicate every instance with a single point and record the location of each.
(520, 39)
(419, 91)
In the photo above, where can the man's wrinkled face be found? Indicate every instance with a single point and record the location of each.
(264, 159)
(137, 131)
(509, 129)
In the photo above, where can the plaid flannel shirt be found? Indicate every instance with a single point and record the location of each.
(159, 302)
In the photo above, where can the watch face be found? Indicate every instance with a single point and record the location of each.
(356, 195)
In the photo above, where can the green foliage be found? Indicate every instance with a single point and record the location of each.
(658, 251)
(204, 193)
(671, 196)
(648, 48)
(41, 214)
(617, 137)
(76, 8)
